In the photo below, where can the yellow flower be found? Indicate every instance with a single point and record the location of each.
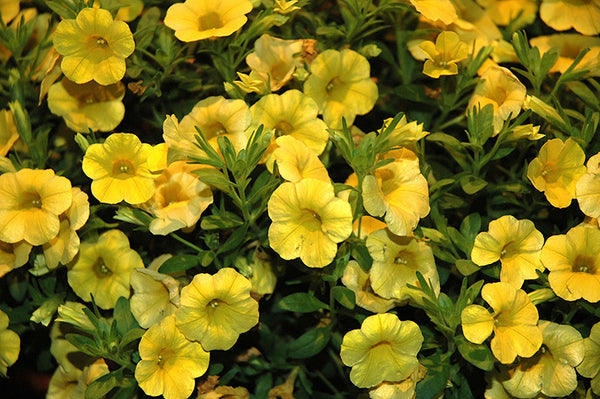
(88, 106)
(259, 271)
(308, 221)
(128, 9)
(9, 9)
(63, 248)
(63, 383)
(384, 349)
(556, 170)
(516, 244)
(119, 169)
(30, 204)
(356, 279)
(501, 88)
(91, 372)
(399, 191)
(169, 362)
(443, 54)
(503, 12)
(214, 116)
(10, 345)
(102, 269)
(179, 199)
(442, 10)
(8, 131)
(205, 19)
(275, 59)
(528, 131)
(569, 45)
(590, 366)
(251, 83)
(574, 263)
(396, 261)
(581, 15)
(404, 389)
(13, 256)
(514, 322)
(93, 46)
(341, 86)
(295, 161)
(285, 6)
(155, 296)
(216, 309)
(291, 113)
(406, 134)
(587, 189)
(551, 371)
(365, 225)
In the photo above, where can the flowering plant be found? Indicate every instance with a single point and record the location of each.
(299, 199)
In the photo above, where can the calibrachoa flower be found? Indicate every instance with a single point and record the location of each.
(514, 322)
(404, 389)
(399, 192)
(569, 46)
(582, 15)
(93, 46)
(13, 256)
(63, 383)
(396, 261)
(119, 169)
(169, 362)
(295, 161)
(556, 170)
(196, 20)
(442, 10)
(340, 84)
(308, 221)
(356, 279)
(31, 202)
(87, 106)
(290, 114)
(155, 296)
(551, 371)
(275, 60)
(500, 88)
(10, 345)
(443, 54)
(8, 131)
(514, 12)
(574, 263)
(587, 188)
(259, 270)
(516, 244)
(9, 9)
(216, 309)
(384, 349)
(102, 269)
(590, 366)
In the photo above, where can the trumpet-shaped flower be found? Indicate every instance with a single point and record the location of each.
(169, 362)
(443, 54)
(30, 204)
(581, 15)
(63, 383)
(103, 268)
(399, 191)
(590, 366)
(587, 188)
(308, 221)
(290, 114)
(196, 20)
(93, 46)
(10, 345)
(551, 371)
(556, 170)
(384, 349)
(341, 86)
(356, 279)
(87, 106)
(13, 256)
(155, 296)
(119, 169)
(396, 261)
(8, 131)
(216, 309)
(514, 322)
(275, 60)
(574, 263)
(500, 88)
(516, 244)
(295, 161)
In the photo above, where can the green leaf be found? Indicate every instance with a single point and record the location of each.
(235, 240)
(179, 263)
(466, 267)
(301, 302)
(124, 318)
(215, 178)
(309, 343)
(472, 184)
(146, 27)
(470, 226)
(131, 336)
(344, 296)
(362, 256)
(84, 344)
(446, 140)
(102, 385)
(222, 221)
(478, 355)
(438, 374)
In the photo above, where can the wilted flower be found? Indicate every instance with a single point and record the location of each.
(93, 46)
(196, 20)
(556, 170)
(308, 221)
(216, 309)
(443, 54)
(341, 86)
(10, 345)
(384, 349)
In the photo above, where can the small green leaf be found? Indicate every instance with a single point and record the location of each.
(344, 296)
(214, 177)
(466, 267)
(223, 221)
(478, 355)
(179, 263)
(102, 385)
(302, 302)
(472, 184)
(309, 343)
(123, 317)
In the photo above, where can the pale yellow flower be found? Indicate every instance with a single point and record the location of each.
(569, 45)
(295, 161)
(8, 131)
(155, 296)
(503, 12)
(259, 271)
(443, 55)
(581, 15)
(556, 170)
(356, 279)
(442, 10)
(13, 256)
(10, 345)
(196, 20)
(587, 189)
(341, 86)
(590, 366)
(9, 9)
(63, 383)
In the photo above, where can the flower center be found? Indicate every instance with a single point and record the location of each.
(101, 269)
(92, 92)
(123, 166)
(212, 20)
(399, 260)
(214, 129)
(332, 84)
(550, 173)
(97, 42)
(31, 200)
(214, 303)
(283, 128)
(584, 264)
